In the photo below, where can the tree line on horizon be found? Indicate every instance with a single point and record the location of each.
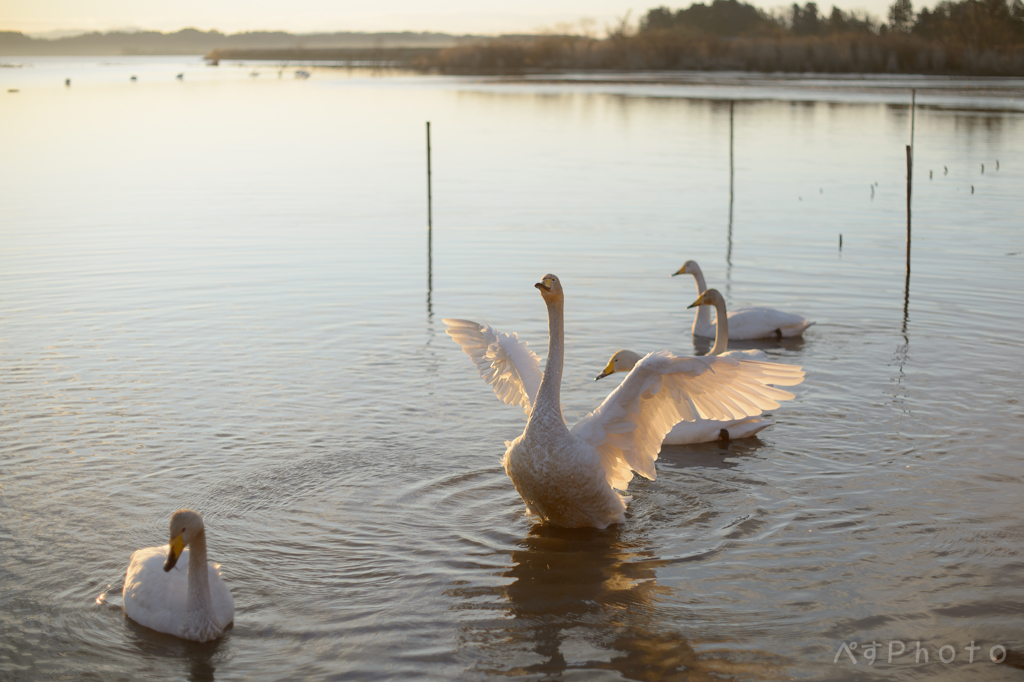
(957, 37)
(979, 23)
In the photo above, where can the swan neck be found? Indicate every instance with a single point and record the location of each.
(702, 319)
(549, 400)
(721, 328)
(198, 604)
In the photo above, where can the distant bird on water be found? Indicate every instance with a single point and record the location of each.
(180, 76)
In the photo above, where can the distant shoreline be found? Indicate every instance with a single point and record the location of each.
(407, 57)
(851, 53)
(844, 54)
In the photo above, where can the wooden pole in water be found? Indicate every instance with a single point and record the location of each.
(728, 253)
(906, 286)
(430, 230)
(429, 198)
(910, 180)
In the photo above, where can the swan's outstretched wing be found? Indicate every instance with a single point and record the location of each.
(512, 369)
(663, 390)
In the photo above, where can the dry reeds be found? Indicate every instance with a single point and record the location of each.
(671, 50)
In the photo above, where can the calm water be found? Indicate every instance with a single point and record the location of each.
(214, 294)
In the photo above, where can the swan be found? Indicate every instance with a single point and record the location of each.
(194, 605)
(703, 430)
(744, 323)
(569, 477)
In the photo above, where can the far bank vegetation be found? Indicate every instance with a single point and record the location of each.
(969, 37)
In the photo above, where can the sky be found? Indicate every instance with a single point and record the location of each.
(306, 16)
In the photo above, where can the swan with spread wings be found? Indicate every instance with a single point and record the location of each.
(569, 477)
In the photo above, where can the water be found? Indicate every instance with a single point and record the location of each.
(213, 294)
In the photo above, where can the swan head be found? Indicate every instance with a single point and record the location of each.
(185, 526)
(690, 267)
(709, 297)
(621, 361)
(550, 289)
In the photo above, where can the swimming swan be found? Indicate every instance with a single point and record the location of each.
(569, 477)
(744, 323)
(703, 430)
(194, 605)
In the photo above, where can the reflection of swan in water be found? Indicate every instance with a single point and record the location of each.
(588, 600)
(195, 661)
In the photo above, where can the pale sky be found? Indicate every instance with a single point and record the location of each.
(306, 16)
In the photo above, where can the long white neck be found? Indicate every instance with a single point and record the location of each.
(702, 320)
(721, 329)
(198, 604)
(548, 409)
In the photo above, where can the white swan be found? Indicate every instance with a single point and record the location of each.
(703, 430)
(194, 605)
(568, 477)
(744, 323)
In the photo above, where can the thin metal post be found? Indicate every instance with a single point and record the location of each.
(430, 232)
(906, 286)
(728, 252)
(429, 198)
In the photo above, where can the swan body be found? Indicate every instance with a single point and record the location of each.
(569, 477)
(744, 323)
(703, 430)
(193, 604)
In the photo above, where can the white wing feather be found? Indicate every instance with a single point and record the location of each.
(504, 362)
(662, 390)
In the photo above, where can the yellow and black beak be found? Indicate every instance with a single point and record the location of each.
(175, 550)
(608, 369)
(545, 284)
(699, 301)
(680, 271)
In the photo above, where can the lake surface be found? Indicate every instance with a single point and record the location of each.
(214, 294)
